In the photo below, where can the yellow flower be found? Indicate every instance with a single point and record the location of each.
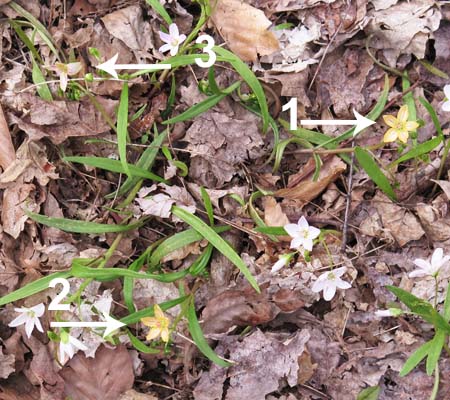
(159, 325)
(399, 126)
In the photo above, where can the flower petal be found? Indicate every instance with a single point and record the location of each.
(338, 272)
(403, 135)
(20, 320)
(391, 135)
(436, 258)
(297, 242)
(342, 284)
(313, 232)
(77, 343)
(29, 326)
(173, 30)
(153, 333)
(411, 126)
(292, 230)
(446, 106)
(63, 81)
(329, 291)
(38, 309)
(165, 37)
(318, 285)
(73, 68)
(403, 113)
(165, 48)
(447, 91)
(174, 51)
(150, 321)
(418, 273)
(390, 120)
(423, 264)
(165, 335)
(158, 312)
(278, 265)
(303, 223)
(181, 38)
(308, 244)
(38, 325)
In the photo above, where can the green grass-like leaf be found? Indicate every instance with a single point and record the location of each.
(252, 81)
(422, 148)
(115, 166)
(209, 234)
(75, 226)
(370, 166)
(416, 358)
(122, 128)
(370, 393)
(156, 5)
(199, 339)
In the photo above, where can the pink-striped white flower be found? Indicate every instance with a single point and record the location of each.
(432, 267)
(64, 71)
(446, 105)
(302, 234)
(328, 282)
(173, 39)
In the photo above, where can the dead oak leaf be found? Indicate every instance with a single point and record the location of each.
(244, 28)
(6, 364)
(262, 365)
(104, 377)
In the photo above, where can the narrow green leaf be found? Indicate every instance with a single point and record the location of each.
(433, 116)
(149, 311)
(416, 358)
(208, 205)
(209, 234)
(422, 148)
(203, 106)
(32, 288)
(145, 162)
(272, 230)
(435, 351)
(158, 7)
(39, 80)
(435, 71)
(370, 166)
(200, 264)
(140, 346)
(246, 73)
(115, 166)
(447, 304)
(104, 274)
(370, 393)
(178, 241)
(75, 226)
(122, 128)
(199, 339)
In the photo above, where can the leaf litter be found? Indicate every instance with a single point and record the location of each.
(286, 342)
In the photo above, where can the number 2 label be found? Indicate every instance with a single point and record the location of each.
(56, 305)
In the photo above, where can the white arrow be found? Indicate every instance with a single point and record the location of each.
(110, 324)
(360, 123)
(110, 66)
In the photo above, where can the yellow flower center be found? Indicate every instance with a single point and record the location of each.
(331, 276)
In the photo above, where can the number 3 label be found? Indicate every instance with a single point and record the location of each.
(56, 305)
(208, 49)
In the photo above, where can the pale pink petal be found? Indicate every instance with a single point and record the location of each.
(165, 47)
(29, 326)
(338, 272)
(436, 258)
(278, 265)
(297, 242)
(173, 30)
(63, 81)
(20, 320)
(446, 106)
(313, 232)
(342, 284)
(39, 309)
(165, 37)
(423, 264)
(447, 91)
(292, 230)
(181, 39)
(174, 51)
(329, 291)
(318, 285)
(73, 68)
(303, 223)
(77, 343)
(307, 244)
(38, 325)
(418, 273)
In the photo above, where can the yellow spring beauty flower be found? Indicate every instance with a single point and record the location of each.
(159, 325)
(399, 126)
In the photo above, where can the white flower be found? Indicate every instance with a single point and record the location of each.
(430, 268)
(68, 346)
(29, 317)
(173, 40)
(446, 105)
(390, 312)
(302, 234)
(64, 71)
(282, 261)
(329, 281)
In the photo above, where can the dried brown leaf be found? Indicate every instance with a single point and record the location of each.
(244, 28)
(7, 153)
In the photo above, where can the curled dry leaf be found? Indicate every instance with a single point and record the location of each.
(244, 28)
(7, 153)
(273, 214)
(302, 186)
(6, 364)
